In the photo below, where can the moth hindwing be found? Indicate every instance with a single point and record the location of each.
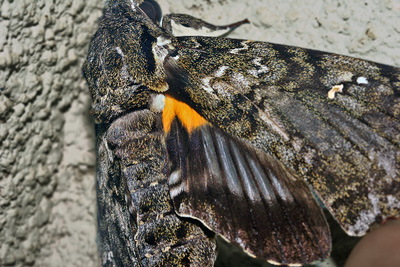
(202, 133)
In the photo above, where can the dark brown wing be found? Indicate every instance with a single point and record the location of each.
(287, 102)
(245, 195)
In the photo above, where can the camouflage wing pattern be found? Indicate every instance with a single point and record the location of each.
(335, 120)
(230, 131)
(137, 224)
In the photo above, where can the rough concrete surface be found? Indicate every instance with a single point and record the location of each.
(47, 200)
(47, 196)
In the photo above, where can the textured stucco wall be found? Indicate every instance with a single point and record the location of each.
(47, 201)
(47, 197)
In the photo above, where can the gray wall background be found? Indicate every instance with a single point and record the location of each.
(47, 193)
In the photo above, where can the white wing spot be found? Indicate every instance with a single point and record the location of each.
(262, 69)
(175, 191)
(393, 202)
(375, 203)
(174, 178)
(175, 183)
(221, 71)
(119, 51)
(236, 50)
(206, 84)
(335, 89)
(154, 183)
(163, 41)
(158, 103)
(110, 256)
(362, 80)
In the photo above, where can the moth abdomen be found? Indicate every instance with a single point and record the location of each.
(159, 237)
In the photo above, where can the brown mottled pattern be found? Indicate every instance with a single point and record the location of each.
(348, 147)
(273, 97)
(137, 223)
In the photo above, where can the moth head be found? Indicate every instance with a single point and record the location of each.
(122, 67)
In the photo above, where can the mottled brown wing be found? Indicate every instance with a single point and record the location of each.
(245, 195)
(333, 119)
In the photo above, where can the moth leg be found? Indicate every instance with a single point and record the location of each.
(196, 23)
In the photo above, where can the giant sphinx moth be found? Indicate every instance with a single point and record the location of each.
(204, 135)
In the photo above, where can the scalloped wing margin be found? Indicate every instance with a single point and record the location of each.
(246, 196)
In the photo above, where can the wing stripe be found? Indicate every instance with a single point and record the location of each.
(245, 195)
(243, 181)
(243, 172)
(215, 178)
(262, 181)
(232, 180)
(283, 192)
(251, 198)
(259, 222)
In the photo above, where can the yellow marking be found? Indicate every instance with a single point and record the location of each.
(154, 183)
(165, 249)
(335, 89)
(189, 118)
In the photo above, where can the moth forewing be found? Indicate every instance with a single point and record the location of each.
(351, 137)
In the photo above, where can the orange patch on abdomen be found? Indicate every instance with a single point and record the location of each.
(189, 118)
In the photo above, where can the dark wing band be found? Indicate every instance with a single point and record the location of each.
(245, 195)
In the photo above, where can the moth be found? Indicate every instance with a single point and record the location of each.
(204, 136)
